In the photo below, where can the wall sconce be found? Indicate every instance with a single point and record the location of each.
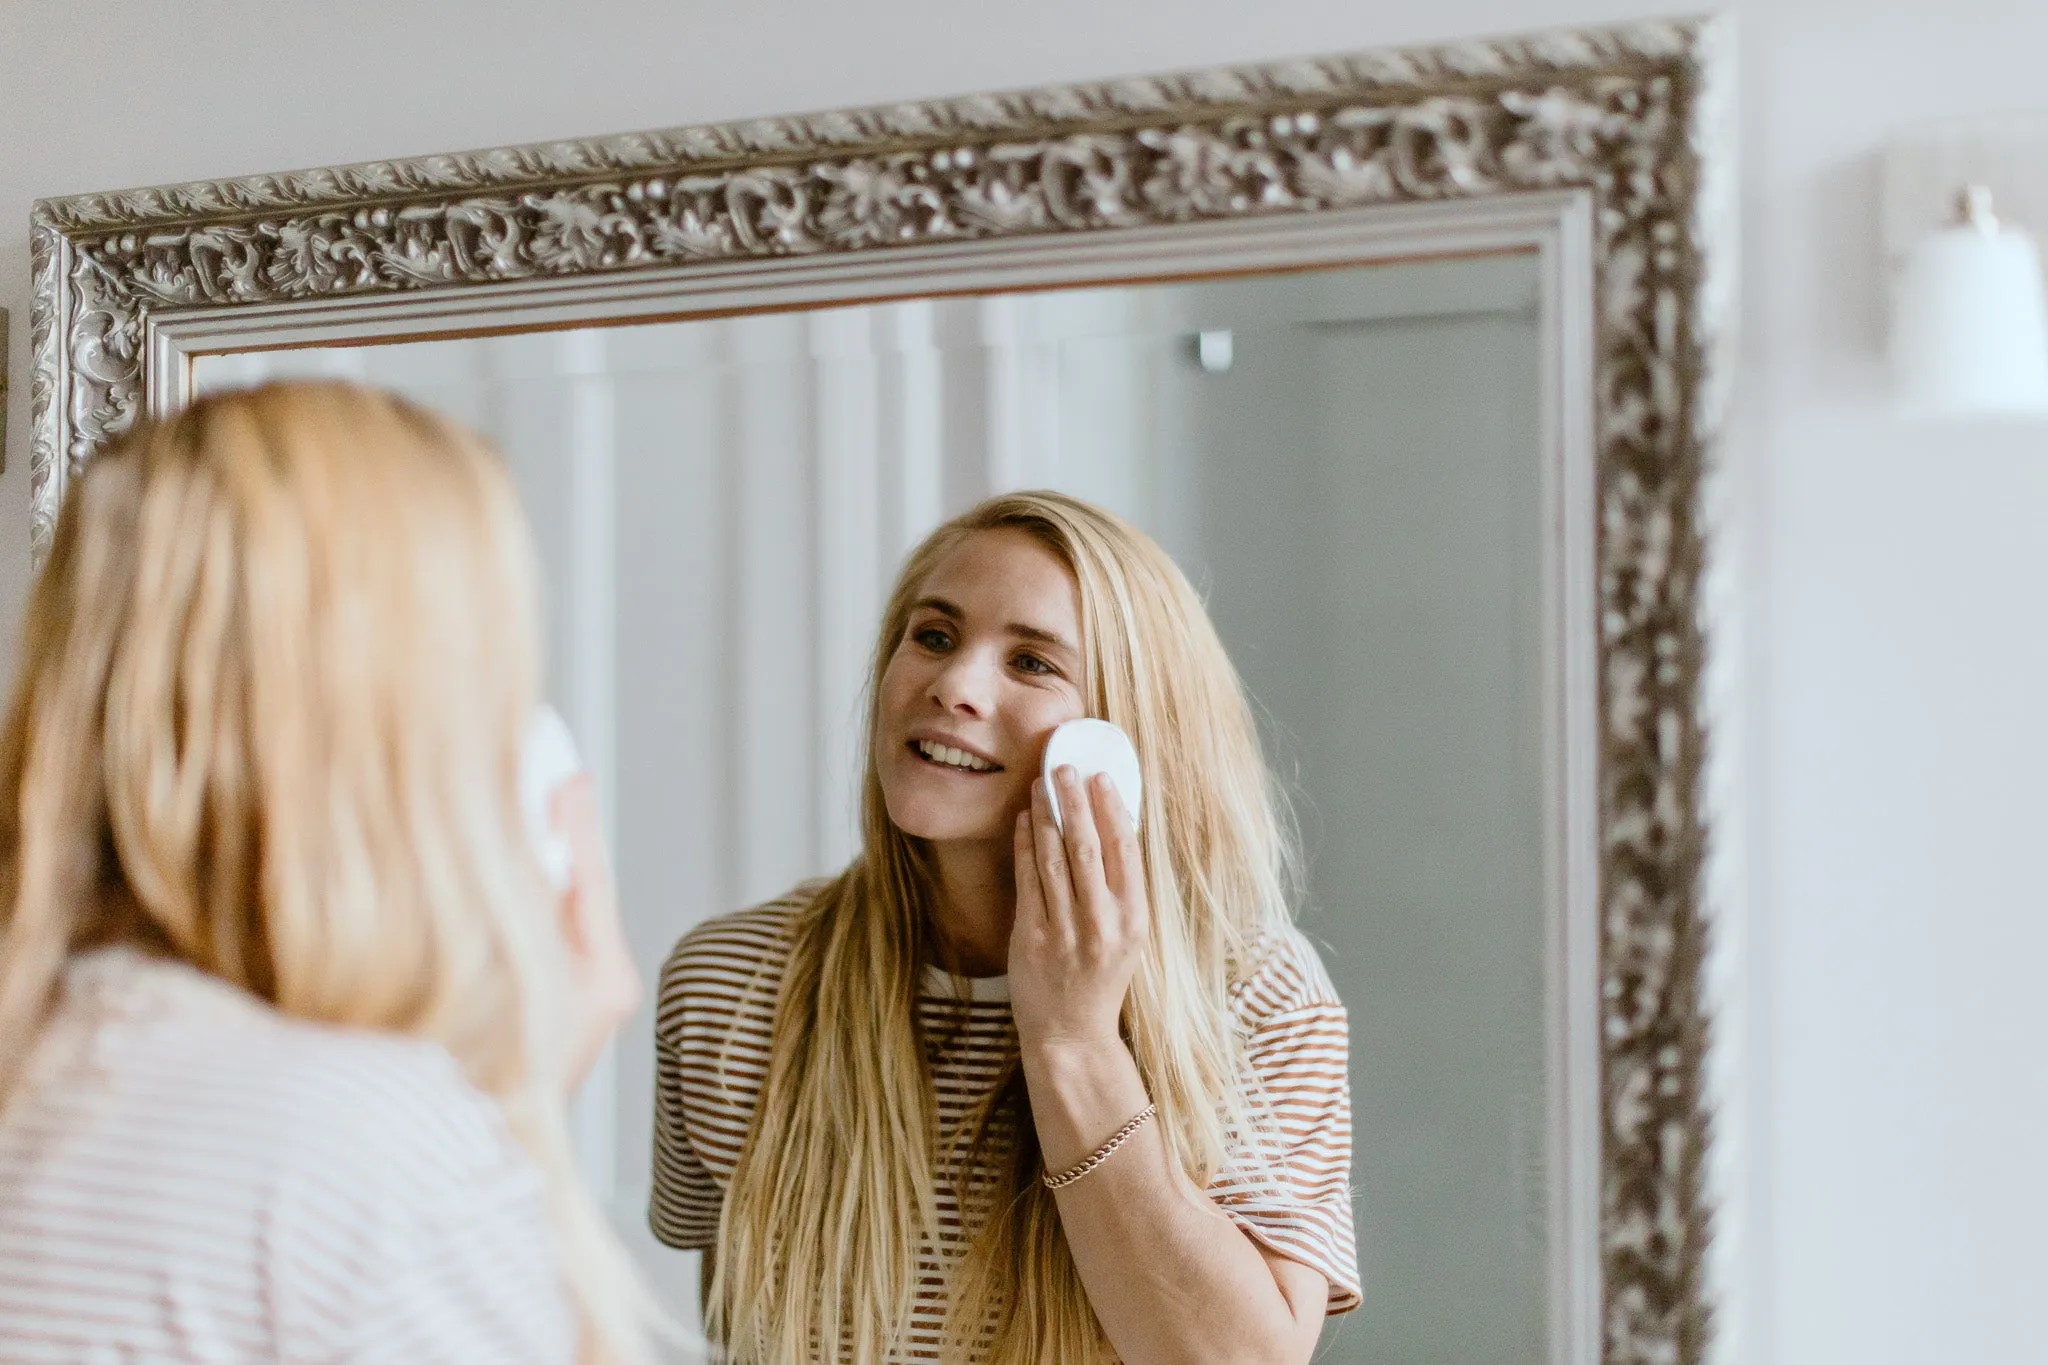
(1215, 351)
(1970, 331)
(1969, 323)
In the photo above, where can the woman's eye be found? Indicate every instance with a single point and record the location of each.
(932, 638)
(1031, 663)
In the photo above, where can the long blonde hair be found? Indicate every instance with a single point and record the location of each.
(818, 1244)
(272, 686)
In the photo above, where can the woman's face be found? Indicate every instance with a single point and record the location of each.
(989, 663)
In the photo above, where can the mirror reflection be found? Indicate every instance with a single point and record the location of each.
(1345, 465)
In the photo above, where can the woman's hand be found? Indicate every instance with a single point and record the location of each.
(604, 986)
(1083, 916)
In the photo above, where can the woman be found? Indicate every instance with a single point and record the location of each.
(866, 1092)
(288, 1015)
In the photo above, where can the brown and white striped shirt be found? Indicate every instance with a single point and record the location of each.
(716, 1012)
(189, 1177)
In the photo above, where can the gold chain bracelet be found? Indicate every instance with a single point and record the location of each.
(1100, 1154)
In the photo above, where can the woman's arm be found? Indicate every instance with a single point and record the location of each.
(1170, 1277)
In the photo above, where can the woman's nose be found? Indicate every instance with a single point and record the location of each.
(962, 685)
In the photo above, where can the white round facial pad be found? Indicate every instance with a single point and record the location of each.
(1094, 746)
(548, 760)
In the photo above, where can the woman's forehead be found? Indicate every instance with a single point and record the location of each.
(1010, 574)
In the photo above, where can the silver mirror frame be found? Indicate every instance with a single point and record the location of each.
(1625, 132)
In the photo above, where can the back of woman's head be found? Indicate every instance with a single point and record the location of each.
(271, 690)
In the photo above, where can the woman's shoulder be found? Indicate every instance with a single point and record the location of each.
(732, 961)
(402, 1104)
(275, 1154)
(356, 1115)
(400, 1179)
(381, 1117)
(757, 932)
(1283, 975)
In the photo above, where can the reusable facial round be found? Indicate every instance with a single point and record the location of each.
(548, 760)
(1094, 746)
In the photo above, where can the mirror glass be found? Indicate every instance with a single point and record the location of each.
(1348, 465)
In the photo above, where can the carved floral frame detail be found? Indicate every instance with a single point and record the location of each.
(1633, 114)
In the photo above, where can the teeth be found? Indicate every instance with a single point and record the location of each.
(953, 758)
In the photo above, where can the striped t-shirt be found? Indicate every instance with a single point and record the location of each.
(188, 1176)
(715, 1015)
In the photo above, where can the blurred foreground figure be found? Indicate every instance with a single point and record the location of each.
(288, 1011)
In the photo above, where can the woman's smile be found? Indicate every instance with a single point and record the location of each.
(944, 751)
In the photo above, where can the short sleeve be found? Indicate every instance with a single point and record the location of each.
(714, 1030)
(1290, 1190)
(684, 1202)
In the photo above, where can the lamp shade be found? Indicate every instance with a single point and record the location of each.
(1970, 333)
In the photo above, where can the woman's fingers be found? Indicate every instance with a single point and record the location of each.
(1053, 878)
(1123, 864)
(1093, 903)
(1030, 894)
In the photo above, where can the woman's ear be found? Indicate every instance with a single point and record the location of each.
(572, 809)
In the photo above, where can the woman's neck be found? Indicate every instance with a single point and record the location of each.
(973, 905)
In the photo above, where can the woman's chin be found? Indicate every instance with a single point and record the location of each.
(940, 821)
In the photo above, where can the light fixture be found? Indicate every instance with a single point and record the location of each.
(1970, 332)
(1215, 351)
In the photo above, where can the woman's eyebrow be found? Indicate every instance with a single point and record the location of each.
(1044, 637)
(941, 606)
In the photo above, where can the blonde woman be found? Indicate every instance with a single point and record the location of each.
(287, 1011)
(998, 1093)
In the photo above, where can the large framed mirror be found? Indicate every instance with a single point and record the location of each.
(1410, 358)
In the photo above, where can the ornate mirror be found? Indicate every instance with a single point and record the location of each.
(1409, 357)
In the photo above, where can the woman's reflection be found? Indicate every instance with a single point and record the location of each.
(869, 1090)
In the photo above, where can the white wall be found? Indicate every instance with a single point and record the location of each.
(1898, 640)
